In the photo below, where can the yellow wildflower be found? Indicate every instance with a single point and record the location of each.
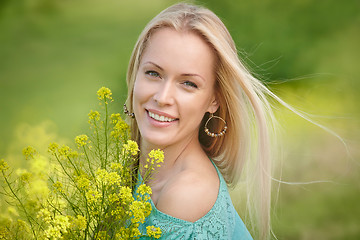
(101, 235)
(73, 154)
(81, 140)
(44, 215)
(104, 93)
(144, 189)
(23, 226)
(118, 213)
(131, 147)
(4, 232)
(29, 152)
(113, 197)
(83, 182)
(147, 208)
(3, 165)
(154, 232)
(115, 117)
(126, 195)
(101, 175)
(137, 209)
(123, 234)
(53, 233)
(120, 129)
(78, 223)
(157, 155)
(135, 232)
(92, 196)
(113, 178)
(53, 147)
(24, 175)
(58, 187)
(128, 233)
(64, 151)
(94, 115)
(61, 203)
(116, 166)
(58, 227)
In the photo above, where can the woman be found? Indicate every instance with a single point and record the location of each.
(190, 96)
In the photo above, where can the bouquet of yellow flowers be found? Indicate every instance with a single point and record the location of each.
(89, 193)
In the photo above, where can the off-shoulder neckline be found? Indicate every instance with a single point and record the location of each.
(174, 219)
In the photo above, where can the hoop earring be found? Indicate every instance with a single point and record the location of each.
(126, 111)
(222, 133)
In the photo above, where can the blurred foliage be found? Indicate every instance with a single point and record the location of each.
(287, 38)
(55, 53)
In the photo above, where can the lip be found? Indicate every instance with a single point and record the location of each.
(157, 123)
(161, 113)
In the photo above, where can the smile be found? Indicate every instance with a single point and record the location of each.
(161, 118)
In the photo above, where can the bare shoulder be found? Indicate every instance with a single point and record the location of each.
(189, 195)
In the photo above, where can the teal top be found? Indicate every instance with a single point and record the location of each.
(221, 222)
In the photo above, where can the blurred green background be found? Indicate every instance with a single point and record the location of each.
(55, 55)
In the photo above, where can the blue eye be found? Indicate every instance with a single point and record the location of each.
(190, 84)
(152, 74)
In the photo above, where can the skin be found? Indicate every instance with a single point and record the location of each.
(176, 80)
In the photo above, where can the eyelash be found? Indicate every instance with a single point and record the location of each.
(152, 73)
(155, 74)
(190, 84)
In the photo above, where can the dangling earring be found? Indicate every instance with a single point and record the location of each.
(126, 111)
(222, 133)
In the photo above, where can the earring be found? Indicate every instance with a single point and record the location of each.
(126, 111)
(222, 133)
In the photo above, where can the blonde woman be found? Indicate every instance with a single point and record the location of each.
(189, 95)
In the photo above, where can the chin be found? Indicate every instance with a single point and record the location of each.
(156, 140)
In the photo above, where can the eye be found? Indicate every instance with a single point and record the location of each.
(190, 84)
(152, 73)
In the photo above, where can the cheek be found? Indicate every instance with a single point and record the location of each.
(139, 92)
(196, 107)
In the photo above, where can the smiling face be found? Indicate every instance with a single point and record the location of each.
(174, 88)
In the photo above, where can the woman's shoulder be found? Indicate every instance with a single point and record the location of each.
(217, 219)
(189, 194)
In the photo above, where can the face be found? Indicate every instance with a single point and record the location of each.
(174, 88)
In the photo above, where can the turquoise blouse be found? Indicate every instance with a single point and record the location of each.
(221, 222)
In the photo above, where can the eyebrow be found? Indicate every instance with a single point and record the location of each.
(155, 65)
(184, 74)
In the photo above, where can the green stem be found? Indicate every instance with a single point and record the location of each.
(21, 204)
(106, 133)
(63, 168)
(74, 166)
(80, 190)
(98, 141)
(88, 215)
(89, 164)
(75, 208)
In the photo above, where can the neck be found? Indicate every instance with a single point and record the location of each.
(174, 155)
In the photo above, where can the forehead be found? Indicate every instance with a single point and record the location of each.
(180, 50)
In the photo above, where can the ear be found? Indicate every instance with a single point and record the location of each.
(214, 105)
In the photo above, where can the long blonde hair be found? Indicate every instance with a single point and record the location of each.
(245, 148)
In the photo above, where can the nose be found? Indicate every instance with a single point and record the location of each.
(165, 93)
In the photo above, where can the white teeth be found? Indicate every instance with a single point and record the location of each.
(161, 118)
